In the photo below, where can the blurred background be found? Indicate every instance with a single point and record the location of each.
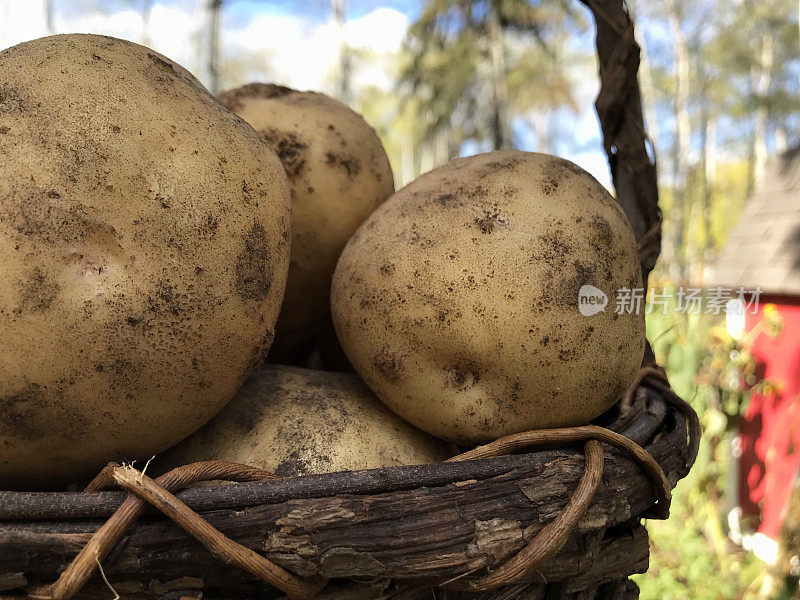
(721, 85)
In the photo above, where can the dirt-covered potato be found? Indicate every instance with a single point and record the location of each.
(338, 172)
(457, 300)
(145, 232)
(298, 421)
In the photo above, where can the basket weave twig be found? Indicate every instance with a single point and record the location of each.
(400, 528)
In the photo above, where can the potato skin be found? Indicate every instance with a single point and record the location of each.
(145, 233)
(338, 172)
(457, 300)
(294, 421)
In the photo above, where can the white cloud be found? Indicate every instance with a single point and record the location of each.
(303, 55)
(21, 21)
(594, 162)
(171, 31)
(125, 24)
(299, 56)
(280, 47)
(275, 47)
(382, 30)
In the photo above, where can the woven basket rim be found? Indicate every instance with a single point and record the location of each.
(654, 419)
(20, 505)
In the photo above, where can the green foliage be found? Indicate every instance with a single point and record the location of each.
(691, 556)
(467, 70)
(728, 197)
(739, 101)
(473, 65)
(734, 52)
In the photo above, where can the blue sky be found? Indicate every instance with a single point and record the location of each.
(294, 42)
(317, 10)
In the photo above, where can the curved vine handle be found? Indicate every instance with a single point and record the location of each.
(631, 156)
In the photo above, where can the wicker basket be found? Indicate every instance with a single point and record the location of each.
(553, 514)
(400, 530)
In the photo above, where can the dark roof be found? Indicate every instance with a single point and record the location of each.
(764, 249)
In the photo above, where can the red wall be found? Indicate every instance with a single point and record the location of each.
(770, 432)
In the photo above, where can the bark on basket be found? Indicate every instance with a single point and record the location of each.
(397, 532)
(416, 525)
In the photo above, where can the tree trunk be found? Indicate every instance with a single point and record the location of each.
(501, 137)
(648, 91)
(763, 83)
(539, 125)
(442, 146)
(681, 148)
(408, 161)
(147, 10)
(344, 70)
(426, 157)
(213, 10)
(781, 139)
(50, 16)
(710, 149)
(709, 179)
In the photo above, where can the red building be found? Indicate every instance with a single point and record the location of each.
(764, 252)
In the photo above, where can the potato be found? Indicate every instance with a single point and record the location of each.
(457, 300)
(338, 172)
(295, 421)
(144, 230)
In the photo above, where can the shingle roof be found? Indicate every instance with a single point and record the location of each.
(764, 249)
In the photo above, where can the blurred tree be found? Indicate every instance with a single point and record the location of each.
(476, 65)
(757, 44)
(691, 556)
(740, 104)
(146, 9)
(50, 16)
(210, 49)
(646, 77)
(680, 49)
(726, 80)
(344, 69)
